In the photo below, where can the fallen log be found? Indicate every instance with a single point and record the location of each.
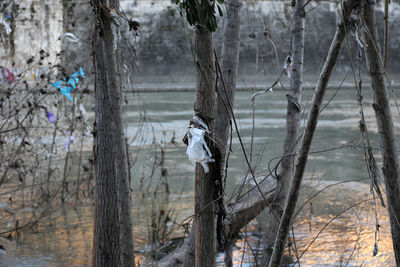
(239, 214)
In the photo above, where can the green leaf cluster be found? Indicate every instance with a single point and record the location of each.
(201, 12)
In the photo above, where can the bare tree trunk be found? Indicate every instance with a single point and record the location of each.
(113, 242)
(386, 36)
(312, 120)
(385, 125)
(230, 58)
(292, 125)
(229, 66)
(205, 234)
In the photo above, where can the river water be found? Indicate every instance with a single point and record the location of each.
(157, 122)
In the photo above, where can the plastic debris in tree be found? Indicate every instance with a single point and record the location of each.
(286, 65)
(50, 116)
(85, 117)
(10, 77)
(6, 74)
(70, 140)
(198, 150)
(253, 96)
(64, 89)
(69, 37)
(6, 26)
(84, 113)
(67, 86)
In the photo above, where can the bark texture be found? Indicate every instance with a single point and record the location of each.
(229, 66)
(113, 241)
(292, 125)
(385, 124)
(301, 159)
(248, 207)
(205, 234)
(230, 59)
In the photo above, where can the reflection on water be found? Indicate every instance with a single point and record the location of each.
(65, 236)
(347, 240)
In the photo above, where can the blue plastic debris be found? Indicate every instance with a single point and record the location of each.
(67, 86)
(50, 116)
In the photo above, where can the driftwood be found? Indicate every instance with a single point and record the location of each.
(248, 207)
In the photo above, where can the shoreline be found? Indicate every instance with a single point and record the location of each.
(191, 87)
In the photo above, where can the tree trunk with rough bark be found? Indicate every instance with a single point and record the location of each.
(385, 124)
(205, 234)
(229, 66)
(113, 241)
(312, 120)
(230, 59)
(292, 125)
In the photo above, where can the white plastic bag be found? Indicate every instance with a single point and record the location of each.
(84, 113)
(197, 149)
(6, 26)
(70, 37)
(287, 65)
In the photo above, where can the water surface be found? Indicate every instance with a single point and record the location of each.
(158, 121)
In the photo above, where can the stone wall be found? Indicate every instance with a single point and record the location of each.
(77, 19)
(36, 27)
(162, 50)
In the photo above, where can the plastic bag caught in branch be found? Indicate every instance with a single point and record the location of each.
(6, 26)
(70, 37)
(84, 113)
(70, 140)
(50, 116)
(67, 86)
(286, 65)
(197, 149)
